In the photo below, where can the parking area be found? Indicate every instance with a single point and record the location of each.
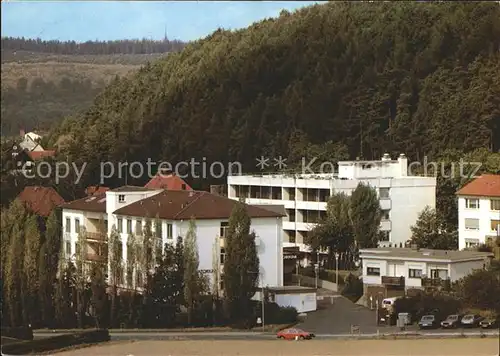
(337, 316)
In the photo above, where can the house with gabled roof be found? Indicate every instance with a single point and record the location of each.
(40, 200)
(479, 211)
(128, 208)
(167, 180)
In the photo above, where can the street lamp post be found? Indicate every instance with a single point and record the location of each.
(337, 270)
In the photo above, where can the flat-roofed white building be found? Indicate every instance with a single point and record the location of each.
(304, 196)
(393, 271)
(479, 211)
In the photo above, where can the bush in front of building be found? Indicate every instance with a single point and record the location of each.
(274, 314)
(56, 342)
(353, 288)
(423, 303)
(21, 333)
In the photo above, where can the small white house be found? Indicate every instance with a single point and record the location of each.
(390, 272)
(479, 211)
(301, 298)
(127, 209)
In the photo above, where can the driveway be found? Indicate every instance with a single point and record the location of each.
(337, 315)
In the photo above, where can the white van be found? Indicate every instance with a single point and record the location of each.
(388, 303)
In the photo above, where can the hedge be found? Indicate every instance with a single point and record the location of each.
(56, 342)
(21, 333)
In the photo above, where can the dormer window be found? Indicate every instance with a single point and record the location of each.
(121, 198)
(183, 187)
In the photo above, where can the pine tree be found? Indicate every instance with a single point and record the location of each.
(241, 266)
(365, 216)
(48, 262)
(191, 273)
(430, 231)
(115, 268)
(30, 269)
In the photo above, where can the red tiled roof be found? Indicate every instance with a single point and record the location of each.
(182, 205)
(36, 155)
(40, 200)
(95, 203)
(95, 190)
(487, 185)
(167, 181)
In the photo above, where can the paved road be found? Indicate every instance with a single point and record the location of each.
(133, 335)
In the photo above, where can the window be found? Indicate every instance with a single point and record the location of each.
(68, 225)
(222, 255)
(170, 232)
(415, 273)
(495, 225)
(121, 198)
(469, 244)
(384, 193)
(223, 228)
(120, 225)
(138, 227)
(439, 274)
(68, 247)
(384, 235)
(77, 226)
(385, 214)
(129, 226)
(221, 285)
(495, 204)
(373, 271)
(471, 224)
(291, 214)
(183, 187)
(472, 203)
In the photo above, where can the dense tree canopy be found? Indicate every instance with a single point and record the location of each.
(398, 77)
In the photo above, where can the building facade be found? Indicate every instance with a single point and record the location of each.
(479, 211)
(402, 197)
(127, 209)
(392, 272)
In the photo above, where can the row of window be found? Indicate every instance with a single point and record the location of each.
(139, 228)
(475, 204)
(473, 224)
(412, 273)
(77, 225)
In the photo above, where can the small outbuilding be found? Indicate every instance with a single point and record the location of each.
(301, 298)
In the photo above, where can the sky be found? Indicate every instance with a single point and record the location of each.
(99, 20)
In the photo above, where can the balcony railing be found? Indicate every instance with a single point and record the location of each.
(96, 236)
(393, 281)
(435, 283)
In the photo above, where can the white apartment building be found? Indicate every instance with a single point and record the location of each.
(479, 211)
(402, 197)
(388, 271)
(128, 208)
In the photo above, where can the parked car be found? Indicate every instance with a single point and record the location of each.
(471, 320)
(451, 321)
(293, 333)
(428, 321)
(491, 322)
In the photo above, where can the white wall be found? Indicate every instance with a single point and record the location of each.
(484, 214)
(83, 216)
(462, 269)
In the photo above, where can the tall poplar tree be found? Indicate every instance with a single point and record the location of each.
(365, 214)
(241, 266)
(115, 258)
(30, 269)
(191, 274)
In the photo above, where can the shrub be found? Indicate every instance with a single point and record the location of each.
(274, 314)
(422, 304)
(353, 288)
(56, 342)
(21, 333)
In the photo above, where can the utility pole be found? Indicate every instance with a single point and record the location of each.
(337, 270)
(263, 303)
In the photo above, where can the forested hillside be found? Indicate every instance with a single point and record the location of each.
(43, 81)
(364, 78)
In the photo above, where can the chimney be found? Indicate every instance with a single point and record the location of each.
(191, 193)
(403, 165)
(386, 157)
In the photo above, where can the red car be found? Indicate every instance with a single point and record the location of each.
(292, 334)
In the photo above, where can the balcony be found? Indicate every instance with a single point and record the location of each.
(435, 283)
(96, 258)
(393, 281)
(97, 236)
